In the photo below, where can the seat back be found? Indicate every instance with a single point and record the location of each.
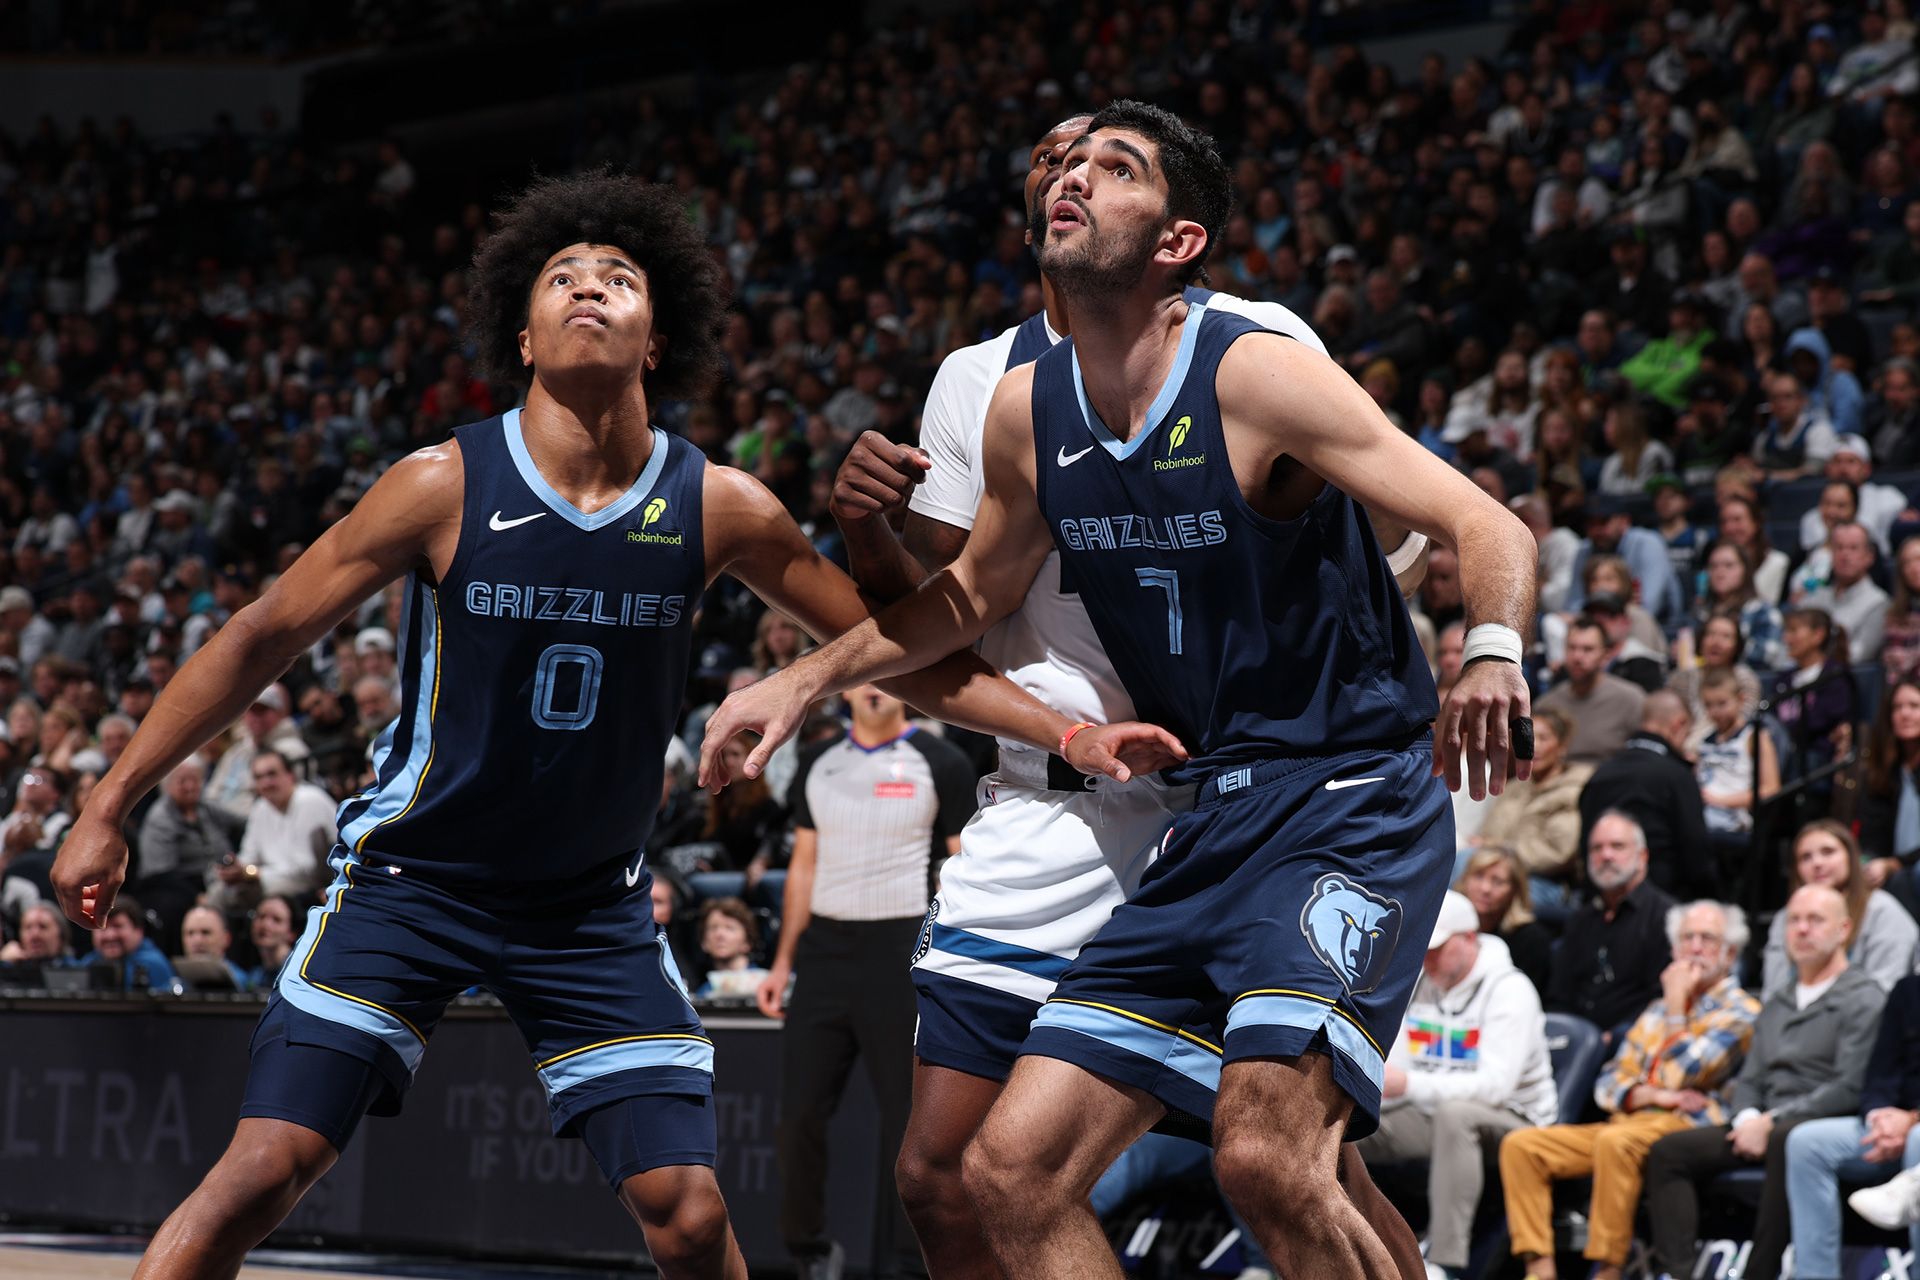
(1575, 1047)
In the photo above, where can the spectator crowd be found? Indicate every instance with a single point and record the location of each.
(1647, 273)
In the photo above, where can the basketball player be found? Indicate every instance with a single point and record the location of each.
(1050, 853)
(1232, 580)
(554, 558)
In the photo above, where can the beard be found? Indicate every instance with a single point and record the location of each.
(1097, 263)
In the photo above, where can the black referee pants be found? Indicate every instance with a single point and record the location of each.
(852, 998)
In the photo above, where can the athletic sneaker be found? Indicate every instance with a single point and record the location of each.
(1893, 1204)
(822, 1266)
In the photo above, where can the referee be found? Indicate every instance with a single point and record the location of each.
(873, 812)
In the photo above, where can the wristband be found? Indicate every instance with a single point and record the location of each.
(1407, 554)
(1067, 737)
(1493, 640)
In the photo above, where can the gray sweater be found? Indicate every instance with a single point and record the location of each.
(1809, 1062)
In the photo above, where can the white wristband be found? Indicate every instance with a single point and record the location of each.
(1407, 554)
(1492, 640)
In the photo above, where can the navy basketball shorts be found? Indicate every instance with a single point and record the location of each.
(581, 968)
(971, 1028)
(1289, 913)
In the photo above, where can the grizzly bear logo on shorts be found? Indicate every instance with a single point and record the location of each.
(1353, 931)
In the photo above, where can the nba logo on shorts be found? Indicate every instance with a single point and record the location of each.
(1354, 932)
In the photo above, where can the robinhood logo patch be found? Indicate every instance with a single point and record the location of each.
(1176, 440)
(649, 516)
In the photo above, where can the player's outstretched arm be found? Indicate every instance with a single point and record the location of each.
(751, 536)
(408, 520)
(1310, 410)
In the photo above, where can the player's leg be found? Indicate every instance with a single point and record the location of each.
(626, 1065)
(266, 1169)
(359, 995)
(657, 1153)
(1395, 1234)
(1054, 1131)
(1277, 1130)
(968, 1037)
(948, 1108)
(680, 1211)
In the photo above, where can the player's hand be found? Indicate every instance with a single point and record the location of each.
(1476, 722)
(876, 478)
(772, 991)
(89, 870)
(1124, 750)
(772, 708)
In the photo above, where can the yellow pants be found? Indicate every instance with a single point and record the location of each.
(1532, 1160)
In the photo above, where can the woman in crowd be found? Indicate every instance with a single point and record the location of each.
(1495, 882)
(1742, 524)
(276, 924)
(1884, 934)
(1637, 457)
(728, 936)
(1814, 696)
(777, 642)
(1719, 646)
(1729, 586)
(1889, 795)
(1539, 819)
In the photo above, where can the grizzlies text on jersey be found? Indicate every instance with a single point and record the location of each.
(1247, 636)
(541, 679)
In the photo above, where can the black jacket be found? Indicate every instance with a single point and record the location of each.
(1608, 971)
(1893, 1072)
(1649, 782)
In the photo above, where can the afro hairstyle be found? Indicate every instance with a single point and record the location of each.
(649, 222)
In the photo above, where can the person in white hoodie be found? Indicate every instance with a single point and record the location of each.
(1469, 1067)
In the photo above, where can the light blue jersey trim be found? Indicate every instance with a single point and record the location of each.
(333, 1006)
(627, 1055)
(1309, 1015)
(1162, 403)
(972, 945)
(1190, 1060)
(523, 462)
(398, 795)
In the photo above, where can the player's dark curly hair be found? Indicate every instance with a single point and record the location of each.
(648, 221)
(1199, 187)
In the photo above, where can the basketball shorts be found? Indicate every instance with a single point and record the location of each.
(1289, 913)
(1042, 865)
(583, 971)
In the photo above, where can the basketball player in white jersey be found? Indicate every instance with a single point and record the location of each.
(1051, 852)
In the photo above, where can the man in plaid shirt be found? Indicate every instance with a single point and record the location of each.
(1672, 1072)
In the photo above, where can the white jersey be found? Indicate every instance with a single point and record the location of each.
(1039, 869)
(1047, 646)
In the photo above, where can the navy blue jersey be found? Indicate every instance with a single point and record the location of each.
(1030, 341)
(1248, 637)
(541, 680)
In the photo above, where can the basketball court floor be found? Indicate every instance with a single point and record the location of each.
(113, 1258)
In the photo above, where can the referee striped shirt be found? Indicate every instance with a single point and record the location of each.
(883, 815)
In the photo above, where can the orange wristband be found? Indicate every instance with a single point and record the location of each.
(1067, 737)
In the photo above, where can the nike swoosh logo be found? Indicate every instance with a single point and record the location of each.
(498, 525)
(1341, 784)
(1068, 459)
(633, 872)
